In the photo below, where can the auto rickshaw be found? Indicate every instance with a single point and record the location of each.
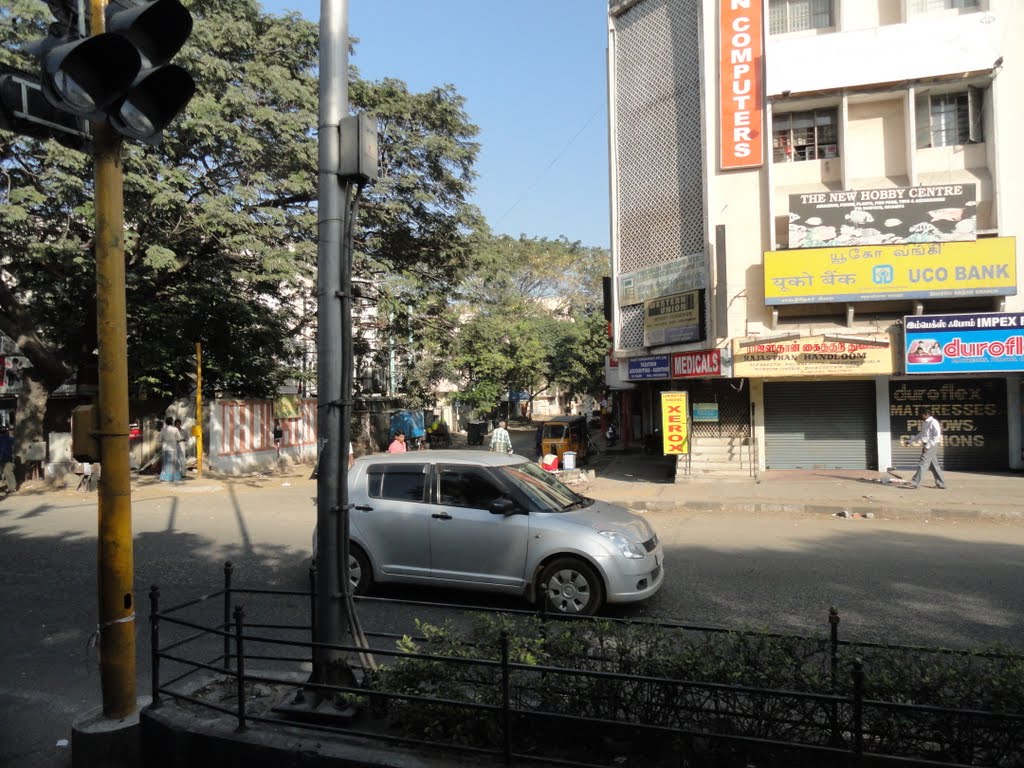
(565, 433)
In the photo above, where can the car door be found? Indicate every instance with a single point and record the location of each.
(392, 518)
(469, 543)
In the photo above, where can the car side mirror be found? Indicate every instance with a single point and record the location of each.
(502, 507)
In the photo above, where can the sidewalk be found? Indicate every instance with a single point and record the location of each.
(647, 482)
(644, 482)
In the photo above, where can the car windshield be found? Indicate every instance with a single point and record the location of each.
(542, 488)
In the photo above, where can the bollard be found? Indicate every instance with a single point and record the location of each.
(506, 715)
(228, 568)
(312, 605)
(833, 620)
(154, 645)
(240, 667)
(858, 711)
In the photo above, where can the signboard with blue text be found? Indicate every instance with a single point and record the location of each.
(991, 342)
(986, 267)
(653, 367)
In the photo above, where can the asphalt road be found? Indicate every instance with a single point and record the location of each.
(935, 583)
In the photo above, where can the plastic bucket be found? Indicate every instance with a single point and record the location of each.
(569, 460)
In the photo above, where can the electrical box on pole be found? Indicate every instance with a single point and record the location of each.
(357, 160)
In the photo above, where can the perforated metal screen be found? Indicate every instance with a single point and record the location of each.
(658, 155)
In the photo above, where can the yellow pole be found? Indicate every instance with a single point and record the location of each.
(115, 561)
(198, 429)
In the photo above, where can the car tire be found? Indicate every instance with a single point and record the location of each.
(570, 586)
(360, 573)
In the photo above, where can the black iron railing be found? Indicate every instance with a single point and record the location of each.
(523, 705)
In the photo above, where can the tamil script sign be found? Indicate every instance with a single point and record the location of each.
(675, 423)
(653, 367)
(987, 267)
(883, 216)
(741, 42)
(982, 343)
(813, 356)
(687, 273)
(704, 362)
(673, 319)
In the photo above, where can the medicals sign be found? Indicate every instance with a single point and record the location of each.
(741, 51)
(991, 342)
(986, 267)
(675, 422)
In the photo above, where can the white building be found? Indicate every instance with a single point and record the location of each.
(798, 186)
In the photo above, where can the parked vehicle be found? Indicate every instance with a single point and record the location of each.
(497, 523)
(566, 433)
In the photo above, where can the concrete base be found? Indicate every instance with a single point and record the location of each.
(98, 741)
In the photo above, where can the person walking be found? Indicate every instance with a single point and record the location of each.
(398, 444)
(170, 436)
(930, 437)
(500, 440)
(7, 459)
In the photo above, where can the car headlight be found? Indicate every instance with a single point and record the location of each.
(626, 547)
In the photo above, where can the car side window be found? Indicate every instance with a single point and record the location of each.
(467, 487)
(401, 482)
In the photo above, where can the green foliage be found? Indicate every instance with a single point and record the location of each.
(750, 684)
(533, 319)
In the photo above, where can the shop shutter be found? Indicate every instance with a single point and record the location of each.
(973, 415)
(820, 425)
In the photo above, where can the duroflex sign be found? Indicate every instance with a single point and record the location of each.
(741, 48)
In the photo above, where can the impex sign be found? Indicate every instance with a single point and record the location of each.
(992, 342)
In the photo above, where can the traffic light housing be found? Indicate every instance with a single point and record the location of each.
(24, 110)
(124, 75)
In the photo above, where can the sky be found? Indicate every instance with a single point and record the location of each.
(534, 76)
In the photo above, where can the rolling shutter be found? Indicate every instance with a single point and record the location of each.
(820, 425)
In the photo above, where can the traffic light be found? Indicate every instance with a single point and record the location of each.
(122, 76)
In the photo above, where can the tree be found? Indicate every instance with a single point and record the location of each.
(533, 309)
(220, 237)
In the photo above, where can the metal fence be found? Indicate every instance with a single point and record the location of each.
(522, 706)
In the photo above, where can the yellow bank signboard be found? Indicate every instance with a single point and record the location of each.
(813, 356)
(986, 267)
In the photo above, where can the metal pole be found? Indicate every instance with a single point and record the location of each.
(154, 644)
(228, 568)
(199, 410)
(114, 550)
(332, 618)
(240, 667)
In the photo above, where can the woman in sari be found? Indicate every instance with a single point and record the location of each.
(170, 437)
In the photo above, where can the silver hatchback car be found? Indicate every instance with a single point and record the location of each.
(498, 523)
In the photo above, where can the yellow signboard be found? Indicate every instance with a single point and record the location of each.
(813, 356)
(986, 267)
(675, 422)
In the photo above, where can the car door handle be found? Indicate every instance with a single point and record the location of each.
(363, 508)
(441, 516)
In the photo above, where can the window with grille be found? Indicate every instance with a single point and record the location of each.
(812, 135)
(928, 6)
(948, 119)
(798, 15)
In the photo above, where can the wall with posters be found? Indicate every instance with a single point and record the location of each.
(972, 413)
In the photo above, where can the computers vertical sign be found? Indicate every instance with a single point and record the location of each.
(741, 97)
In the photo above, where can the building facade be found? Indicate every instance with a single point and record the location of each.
(815, 210)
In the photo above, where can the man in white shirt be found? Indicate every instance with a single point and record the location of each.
(930, 438)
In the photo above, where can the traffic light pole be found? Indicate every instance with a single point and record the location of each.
(115, 559)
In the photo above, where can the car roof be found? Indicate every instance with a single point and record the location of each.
(480, 458)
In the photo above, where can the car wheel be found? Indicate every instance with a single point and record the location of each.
(568, 585)
(359, 572)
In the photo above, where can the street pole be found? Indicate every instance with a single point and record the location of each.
(115, 560)
(332, 620)
(199, 410)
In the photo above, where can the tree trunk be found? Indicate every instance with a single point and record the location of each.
(28, 421)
